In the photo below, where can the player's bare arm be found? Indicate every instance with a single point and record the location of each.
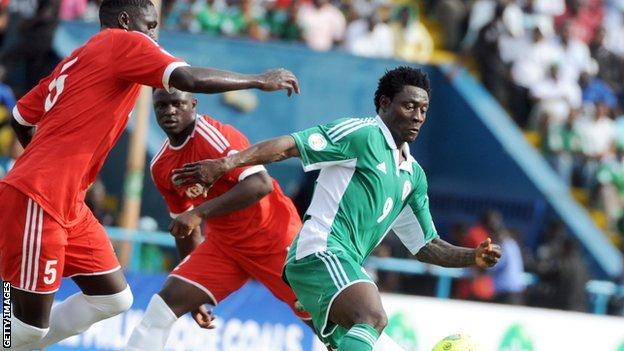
(442, 253)
(24, 133)
(187, 244)
(209, 171)
(246, 193)
(208, 80)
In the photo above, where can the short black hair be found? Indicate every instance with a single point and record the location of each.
(394, 80)
(110, 9)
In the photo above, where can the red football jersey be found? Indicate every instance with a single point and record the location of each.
(80, 111)
(261, 227)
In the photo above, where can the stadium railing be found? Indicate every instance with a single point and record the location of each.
(599, 291)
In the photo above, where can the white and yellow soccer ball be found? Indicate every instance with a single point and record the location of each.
(456, 342)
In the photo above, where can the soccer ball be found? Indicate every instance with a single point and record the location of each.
(456, 342)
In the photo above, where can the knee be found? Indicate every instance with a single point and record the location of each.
(374, 317)
(112, 305)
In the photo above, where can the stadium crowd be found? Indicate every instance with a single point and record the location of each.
(555, 65)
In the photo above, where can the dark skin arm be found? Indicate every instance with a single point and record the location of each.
(209, 171)
(244, 194)
(24, 133)
(187, 244)
(441, 253)
(211, 81)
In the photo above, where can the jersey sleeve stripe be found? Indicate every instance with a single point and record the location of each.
(336, 131)
(18, 117)
(210, 140)
(213, 135)
(250, 171)
(351, 130)
(349, 120)
(167, 74)
(218, 133)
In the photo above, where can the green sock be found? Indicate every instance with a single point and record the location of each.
(361, 337)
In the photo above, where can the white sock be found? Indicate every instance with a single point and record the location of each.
(385, 343)
(152, 332)
(23, 334)
(78, 312)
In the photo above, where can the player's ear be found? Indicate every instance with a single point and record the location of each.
(384, 102)
(123, 19)
(194, 103)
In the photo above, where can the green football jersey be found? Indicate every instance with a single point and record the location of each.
(362, 192)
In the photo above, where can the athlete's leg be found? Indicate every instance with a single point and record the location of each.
(358, 308)
(207, 275)
(91, 263)
(32, 251)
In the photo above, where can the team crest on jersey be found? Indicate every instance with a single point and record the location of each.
(196, 191)
(317, 142)
(407, 187)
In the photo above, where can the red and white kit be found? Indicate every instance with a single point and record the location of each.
(80, 110)
(248, 243)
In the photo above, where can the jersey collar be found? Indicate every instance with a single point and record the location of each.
(407, 164)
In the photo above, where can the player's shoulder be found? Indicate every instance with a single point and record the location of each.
(351, 129)
(418, 171)
(158, 164)
(220, 135)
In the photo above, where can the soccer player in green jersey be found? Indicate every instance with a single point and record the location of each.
(369, 184)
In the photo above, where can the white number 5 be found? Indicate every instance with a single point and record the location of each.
(57, 84)
(386, 210)
(49, 276)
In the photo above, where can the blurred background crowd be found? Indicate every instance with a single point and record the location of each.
(557, 66)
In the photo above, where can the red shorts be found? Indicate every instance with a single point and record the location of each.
(36, 251)
(220, 272)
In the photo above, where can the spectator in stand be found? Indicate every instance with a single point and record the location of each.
(72, 9)
(595, 90)
(576, 57)
(611, 186)
(555, 96)
(530, 69)
(373, 39)
(412, 41)
(508, 275)
(7, 102)
(281, 23)
(610, 65)
(597, 135)
(453, 14)
(322, 24)
(32, 47)
(584, 15)
(562, 145)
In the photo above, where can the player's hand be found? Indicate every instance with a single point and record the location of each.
(184, 224)
(205, 172)
(279, 79)
(204, 317)
(487, 254)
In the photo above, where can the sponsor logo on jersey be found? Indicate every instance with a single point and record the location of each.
(317, 142)
(196, 191)
(382, 167)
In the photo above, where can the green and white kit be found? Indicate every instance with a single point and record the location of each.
(361, 193)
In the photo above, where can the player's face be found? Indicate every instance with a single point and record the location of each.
(146, 22)
(174, 112)
(407, 112)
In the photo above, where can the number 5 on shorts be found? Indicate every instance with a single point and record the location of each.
(49, 276)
